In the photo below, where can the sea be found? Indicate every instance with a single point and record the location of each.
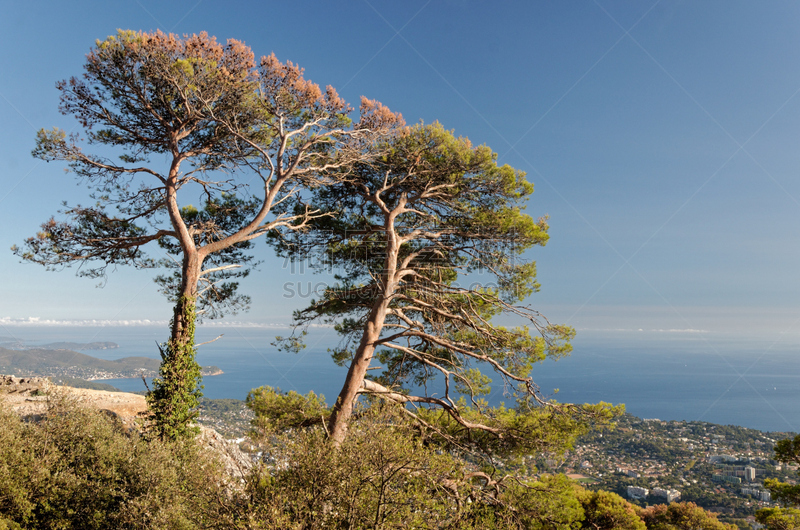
(717, 378)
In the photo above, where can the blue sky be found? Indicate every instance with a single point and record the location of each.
(662, 138)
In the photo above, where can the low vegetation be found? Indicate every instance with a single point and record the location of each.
(78, 468)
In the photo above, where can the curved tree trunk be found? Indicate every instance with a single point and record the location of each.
(343, 408)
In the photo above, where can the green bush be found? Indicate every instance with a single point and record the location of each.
(76, 468)
(277, 411)
(380, 477)
(779, 518)
(608, 511)
(681, 516)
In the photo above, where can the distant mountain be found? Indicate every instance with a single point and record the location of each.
(12, 342)
(17, 344)
(79, 346)
(62, 362)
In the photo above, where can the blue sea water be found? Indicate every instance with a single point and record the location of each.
(719, 379)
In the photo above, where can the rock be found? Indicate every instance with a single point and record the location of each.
(19, 385)
(237, 463)
(29, 397)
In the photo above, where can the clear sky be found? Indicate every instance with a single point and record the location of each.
(662, 138)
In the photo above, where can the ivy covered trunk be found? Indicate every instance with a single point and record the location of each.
(176, 392)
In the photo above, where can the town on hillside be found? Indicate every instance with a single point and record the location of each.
(648, 461)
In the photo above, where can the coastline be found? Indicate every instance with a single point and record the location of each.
(206, 371)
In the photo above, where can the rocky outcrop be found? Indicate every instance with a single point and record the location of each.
(237, 463)
(30, 396)
(24, 385)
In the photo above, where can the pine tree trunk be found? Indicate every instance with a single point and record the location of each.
(176, 392)
(182, 329)
(343, 409)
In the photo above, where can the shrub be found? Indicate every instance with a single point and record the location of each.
(681, 516)
(77, 469)
(385, 475)
(380, 477)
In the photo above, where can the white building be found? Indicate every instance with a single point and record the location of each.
(670, 495)
(758, 493)
(635, 492)
(721, 458)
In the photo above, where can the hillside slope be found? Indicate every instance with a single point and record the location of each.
(49, 363)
